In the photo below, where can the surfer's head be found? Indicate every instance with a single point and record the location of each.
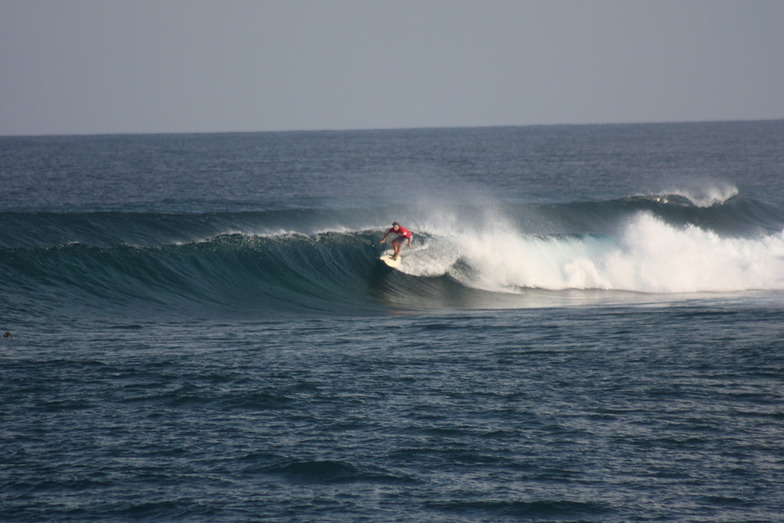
(395, 225)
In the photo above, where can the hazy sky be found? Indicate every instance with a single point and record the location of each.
(111, 66)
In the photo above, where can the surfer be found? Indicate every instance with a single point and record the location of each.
(403, 234)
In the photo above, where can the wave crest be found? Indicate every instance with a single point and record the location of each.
(706, 195)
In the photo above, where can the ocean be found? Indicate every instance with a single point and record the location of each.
(589, 325)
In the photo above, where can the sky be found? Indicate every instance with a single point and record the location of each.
(161, 66)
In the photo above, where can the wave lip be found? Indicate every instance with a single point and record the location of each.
(706, 195)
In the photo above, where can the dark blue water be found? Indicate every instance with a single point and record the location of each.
(588, 327)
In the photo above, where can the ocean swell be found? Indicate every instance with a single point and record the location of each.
(281, 261)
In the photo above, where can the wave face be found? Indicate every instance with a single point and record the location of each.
(306, 260)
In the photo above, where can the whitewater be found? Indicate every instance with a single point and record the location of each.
(588, 326)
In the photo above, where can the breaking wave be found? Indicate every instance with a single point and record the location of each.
(271, 262)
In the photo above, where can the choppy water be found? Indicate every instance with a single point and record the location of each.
(589, 325)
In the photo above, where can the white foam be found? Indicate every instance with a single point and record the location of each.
(648, 255)
(657, 257)
(707, 195)
(427, 261)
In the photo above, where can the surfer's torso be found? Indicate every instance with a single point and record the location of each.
(401, 231)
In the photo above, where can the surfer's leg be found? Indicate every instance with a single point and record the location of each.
(396, 243)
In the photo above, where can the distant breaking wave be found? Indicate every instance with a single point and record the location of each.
(706, 195)
(269, 262)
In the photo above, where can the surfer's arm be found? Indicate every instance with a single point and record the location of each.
(385, 236)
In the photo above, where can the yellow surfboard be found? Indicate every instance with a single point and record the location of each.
(390, 261)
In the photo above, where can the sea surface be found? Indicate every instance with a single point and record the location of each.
(589, 325)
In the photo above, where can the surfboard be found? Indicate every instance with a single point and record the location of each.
(390, 261)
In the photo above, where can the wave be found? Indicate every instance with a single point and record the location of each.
(648, 255)
(326, 260)
(229, 271)
(705, 195)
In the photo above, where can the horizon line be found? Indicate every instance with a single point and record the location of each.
(382, 129)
